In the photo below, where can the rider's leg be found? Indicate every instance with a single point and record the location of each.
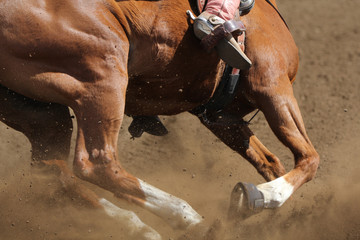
(224, 9)
(212, 28)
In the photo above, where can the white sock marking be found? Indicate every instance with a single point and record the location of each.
(276, 192)
(177, 212)
(134, 226)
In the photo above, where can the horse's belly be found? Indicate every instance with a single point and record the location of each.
(159, 97)
(180, 91)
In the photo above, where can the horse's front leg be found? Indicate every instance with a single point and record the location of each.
(283, 115)
(100, 112)
(238, 136)
(235, 133)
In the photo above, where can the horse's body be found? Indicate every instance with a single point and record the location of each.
(89, 55)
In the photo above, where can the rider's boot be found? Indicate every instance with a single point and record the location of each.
(215, 28)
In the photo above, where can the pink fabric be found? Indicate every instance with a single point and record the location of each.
(224, 9)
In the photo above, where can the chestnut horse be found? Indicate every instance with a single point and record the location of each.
(92, 55)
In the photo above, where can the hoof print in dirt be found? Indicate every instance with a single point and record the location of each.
(246, 200)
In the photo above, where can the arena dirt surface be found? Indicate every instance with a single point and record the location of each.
(193, 165)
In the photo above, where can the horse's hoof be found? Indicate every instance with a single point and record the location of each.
(246, 200)
(155, 127)
(149, 124)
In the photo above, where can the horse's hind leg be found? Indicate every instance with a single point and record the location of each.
(48, 128)
(100, 111)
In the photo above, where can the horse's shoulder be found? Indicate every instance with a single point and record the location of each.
(269, 42)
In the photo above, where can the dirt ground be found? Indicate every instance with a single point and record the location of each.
(193, 165)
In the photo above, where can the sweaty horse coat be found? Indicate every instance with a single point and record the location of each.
(104, 58)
